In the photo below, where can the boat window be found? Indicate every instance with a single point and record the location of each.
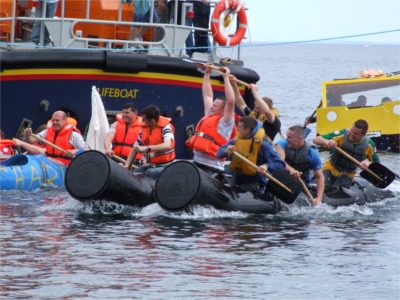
(364, 94)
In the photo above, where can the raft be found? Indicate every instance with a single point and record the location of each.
(29, 172)
(94, 176)
(182, 185)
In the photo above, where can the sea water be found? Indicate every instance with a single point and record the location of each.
(54, 247)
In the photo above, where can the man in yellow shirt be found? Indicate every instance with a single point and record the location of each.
(354, 142)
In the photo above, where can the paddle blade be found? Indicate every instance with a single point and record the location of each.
(307, 132)
(380, 170)
(288, 180)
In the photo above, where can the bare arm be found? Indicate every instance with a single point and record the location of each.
(282, 155)
(107, 143)
(207, 91)
(32, 149)
(320, 141)
(263, 106)
(229, 95)
(240, 104)
(320, 187)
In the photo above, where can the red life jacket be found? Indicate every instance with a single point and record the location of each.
(154, 138)
(206, 137)
(125, 137)
(6, 148)
(61, 140)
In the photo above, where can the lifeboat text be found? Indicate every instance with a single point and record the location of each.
(118, 93)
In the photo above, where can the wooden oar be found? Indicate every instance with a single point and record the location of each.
(348, 156)
(120, 159)
(131, 159)
(217, 70)
(307, 191)
(266, 174)
(48, 143)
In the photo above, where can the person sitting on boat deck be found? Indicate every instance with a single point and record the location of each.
(156, 141)
(262, 110)
(216, 128)
(51, 7)
(354, 142)
(141, 14)
(250, 143)
(300, 158)
(386, 99)
(360, 102)
(62, 132)
(123, 133)
(334, 100)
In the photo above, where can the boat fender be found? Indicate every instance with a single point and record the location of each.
(231, 6)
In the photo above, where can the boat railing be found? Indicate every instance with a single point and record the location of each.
(65, 35)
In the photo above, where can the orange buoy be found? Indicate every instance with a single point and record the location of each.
(232, 6)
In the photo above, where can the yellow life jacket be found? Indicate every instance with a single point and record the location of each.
(249, 148)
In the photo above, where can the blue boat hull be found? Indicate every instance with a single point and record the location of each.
(30, 172)
(64, 79)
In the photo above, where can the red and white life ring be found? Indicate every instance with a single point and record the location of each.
(233, 6)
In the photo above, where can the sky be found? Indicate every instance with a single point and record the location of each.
(300, 20)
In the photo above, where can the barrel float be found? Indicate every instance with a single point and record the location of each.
(94, 176)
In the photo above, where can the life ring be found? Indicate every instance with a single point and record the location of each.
(233, 6)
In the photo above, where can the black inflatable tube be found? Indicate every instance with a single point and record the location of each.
(182, 185)
(94, 176)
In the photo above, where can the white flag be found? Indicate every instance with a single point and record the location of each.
(98, 126)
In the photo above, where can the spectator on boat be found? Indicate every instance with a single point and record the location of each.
(51, 7)
(356, 143)
(300, 158)
(161, 7)
(262, 110)
(334, 100)
(123, 133)
(141, 13)
(156, 142)
(360, 102)
(178, 20)
(201, 10)
(62, 132)
(217, 127)
(250, 143)
(386, 99)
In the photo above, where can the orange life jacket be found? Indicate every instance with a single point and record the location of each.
(61, 140)
(6, 148)
(154, 138)
(125, 137)
(206, 137)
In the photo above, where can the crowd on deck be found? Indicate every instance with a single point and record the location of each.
(148, 141)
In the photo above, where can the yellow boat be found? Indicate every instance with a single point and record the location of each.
(374, 97)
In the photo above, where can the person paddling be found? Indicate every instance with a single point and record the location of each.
(263, 110)
(354, 142)
(62, 132)
(123, 133)
(300, 158)
(217, 126)
(250, 143)
(156, 141)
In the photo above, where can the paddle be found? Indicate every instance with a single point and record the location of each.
(217, 70)
(278, 182)
(307, 131)
(307, 191)
(131, 159)
(120, 159)
(377, 174)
